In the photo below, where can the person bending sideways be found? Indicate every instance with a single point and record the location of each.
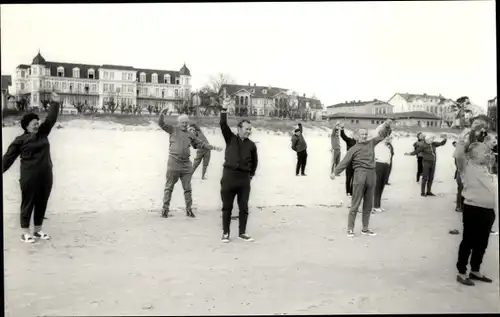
(428, 151)
(362, 157)
(299, 145)
(36, 168)
(240, 164)
(179, 165)
(201, 154)
(478, 214)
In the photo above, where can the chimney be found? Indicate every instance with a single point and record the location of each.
(254, 84)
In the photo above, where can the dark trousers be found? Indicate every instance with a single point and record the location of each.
(335, 159)
(35, 193)
(349, 176)
(428, 170)
(201, 156)
(172, 178)
(382, 171)
(234, 183)
(477, 223)
(363, 190)
(301, 162)
(389, 175)
(460, 187)
(419, 167)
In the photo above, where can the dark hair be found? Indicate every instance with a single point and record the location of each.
(27, 118)
(296, 130)
(240, 124)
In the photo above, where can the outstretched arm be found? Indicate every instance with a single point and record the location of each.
(384, 130)
(438, 144)
(11, 155)
(161, 122)
(226, 131)
(343, 164)
(344, 137)
(52, 115)
(300, 128)
(199, 144)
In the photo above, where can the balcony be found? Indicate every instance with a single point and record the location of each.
(153, 97)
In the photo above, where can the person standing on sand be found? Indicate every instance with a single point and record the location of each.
(335, 143)
(36, 168)
(362, 157)
(179, 166)
(420, 139)
(201, 154)
(459, 200)
(383, 159)
(388, 142)
(240, 164)
(299, 145)
(428, 150)
(478, 210)
(349, 171)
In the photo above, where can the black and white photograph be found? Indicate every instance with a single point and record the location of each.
(249, 158)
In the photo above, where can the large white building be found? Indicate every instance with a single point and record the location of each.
(95, 85)
(375, 107)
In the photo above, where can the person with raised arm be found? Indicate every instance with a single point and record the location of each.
(299, 145)
(179, 165)
(335, 146)
(362, 158)
(383, 161)
(388, 143)
(240, 164)
(349, 171)
(36, 168)
(201, 154)
(428, 151)
(420, 139)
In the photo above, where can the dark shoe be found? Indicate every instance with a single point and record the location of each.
(465, 281)
(423, 194)
(368, 232)
(41, 235)
(458, 209)
(234, 217)
(303, 175)
(483, 278)
(225, 238)
(430, 194)
(245, 237)
(388, 184)
(164, 213)
(454, 231)
(190, 213)
(45, 218)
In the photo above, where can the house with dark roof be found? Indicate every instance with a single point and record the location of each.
(360, 107)
(268, 101)
(99, 85)
(403, 119)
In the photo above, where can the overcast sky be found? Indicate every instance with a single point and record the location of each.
(337, 51)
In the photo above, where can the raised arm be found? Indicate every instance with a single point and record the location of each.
(345, 161)
(460, 149)
(300, 128)
(199, 144)
(344, 137)
(226, 131)
(254, 161)
(438, 144)
(51, 118)
(383, 130)
(161, 122)
(11, 155)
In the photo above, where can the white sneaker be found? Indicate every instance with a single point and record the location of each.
(377, 210)
(41, 235)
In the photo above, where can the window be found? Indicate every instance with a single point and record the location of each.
(124, 76)
(49, 85)
(357, 121)
(163, 94)
(166, 79)
(143, 77)
(23, 73)
(47, 71)
(154, 78)
(187, 81)
(352, 121)
(177, 93)
(246, 100)
(76, 72)
(111, 75)
(373, 121)
(130, 88)
(264, 91)
(33, 70)
(106, 87)
(22, 86)
(157, 92)
(177, 81)
(91, 74)
(60, 71)
(56, 85)
(129, 76)
(93, 88)
(106, 75)
(118, 89)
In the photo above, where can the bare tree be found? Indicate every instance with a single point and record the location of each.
(461, 108)
(219, 80)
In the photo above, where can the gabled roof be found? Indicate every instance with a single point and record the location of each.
(256, 91)
(23, 66)
(6, 82)
(38, 60)
(351, 104)
(411, 97)
(313, 103)
(185, 71)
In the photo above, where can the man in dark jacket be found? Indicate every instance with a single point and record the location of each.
(349, 171)
(299, 145)
(240, 164)
(420, 139)
(428, 151)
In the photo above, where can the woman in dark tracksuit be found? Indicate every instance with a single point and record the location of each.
(349, 171)
(420, 138)
(36, 168)
(201, 154)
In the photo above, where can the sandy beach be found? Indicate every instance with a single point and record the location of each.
(112, 254)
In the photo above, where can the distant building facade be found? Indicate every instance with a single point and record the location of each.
(96, 85)
(374, 107)
(403, 119)
(6, 83)
(268, 101)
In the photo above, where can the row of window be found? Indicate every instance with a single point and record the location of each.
(60, 86)
(381, 111)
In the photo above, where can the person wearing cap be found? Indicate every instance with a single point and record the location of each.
(362, 157)
(299, 145)
(36, 179)
(179, 165)
(201, 154)
(240, 165)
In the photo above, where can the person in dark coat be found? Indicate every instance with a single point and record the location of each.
(388, 143)
(36, 168)
(299, 145)
(349, 171)
(420, 139)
